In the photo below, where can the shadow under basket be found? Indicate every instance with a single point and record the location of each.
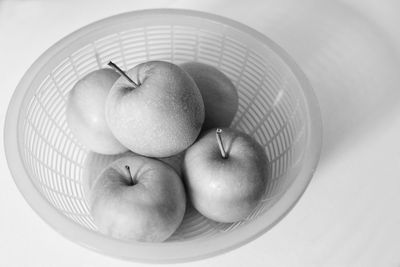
(276, 106)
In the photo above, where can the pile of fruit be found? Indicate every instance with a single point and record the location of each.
(162, 133)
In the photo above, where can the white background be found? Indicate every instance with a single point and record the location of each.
(350, 213)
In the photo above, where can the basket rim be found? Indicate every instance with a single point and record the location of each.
(169, 252)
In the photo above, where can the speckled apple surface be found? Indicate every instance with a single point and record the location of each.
(162, 116)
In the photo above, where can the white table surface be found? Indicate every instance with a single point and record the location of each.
(350, 213)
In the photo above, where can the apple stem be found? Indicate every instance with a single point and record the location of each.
(120, 71)
(220, 144)
(130, 174)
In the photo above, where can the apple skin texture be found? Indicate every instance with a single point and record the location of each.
(149, 210)
(225, 190)
(86, 112)
(96, 163)
(219, 94)
(161, 117)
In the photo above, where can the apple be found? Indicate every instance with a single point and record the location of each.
(85, 112)
(138, 198)
(219, 94)
(225, 174)
(155, 109)
(96, 163)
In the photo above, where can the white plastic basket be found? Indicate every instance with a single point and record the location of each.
(276, 106)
